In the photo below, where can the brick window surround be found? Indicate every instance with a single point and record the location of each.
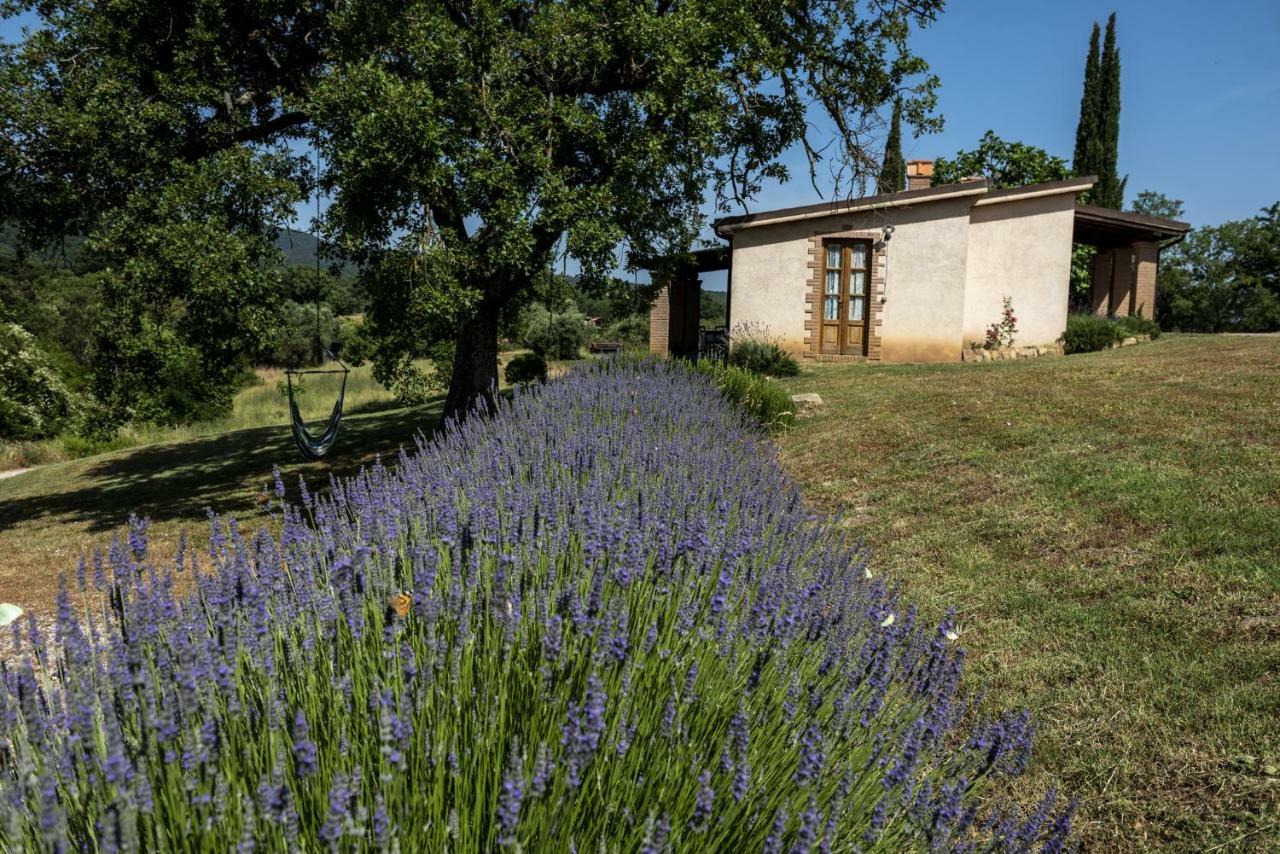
(813, 298)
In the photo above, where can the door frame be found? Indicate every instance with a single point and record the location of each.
(843, 325)
(873, 317)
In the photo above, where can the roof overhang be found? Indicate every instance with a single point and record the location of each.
(1107, 228)
(1036, 191)
(727, 225)
(978, 189)
(695, 261)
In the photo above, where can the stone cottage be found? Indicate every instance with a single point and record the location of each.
(917, 276)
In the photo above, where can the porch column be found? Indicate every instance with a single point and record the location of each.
(682, 324)
(1146, 263)
(1100, 292)
(673, 319)
(660, 322)
(1122, 281)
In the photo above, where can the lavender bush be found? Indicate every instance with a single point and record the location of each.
(603, 620)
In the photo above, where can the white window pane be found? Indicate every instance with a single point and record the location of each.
(855, 309)
(859, 257)
(833, 281)
(833, 256)
(857, 283)
(831, 310)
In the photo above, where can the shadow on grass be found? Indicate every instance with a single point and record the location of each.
(181, 479)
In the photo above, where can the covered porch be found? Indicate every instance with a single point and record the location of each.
(1126, 266)
(674, 319)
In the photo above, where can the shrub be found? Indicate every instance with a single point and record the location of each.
(754, 349)
(34, 401)
(526, 368)
(1136, 324)
(356, 348)
(765, 401)
(632, 331)
(604, 618)
(553, 335)
(1087, 333)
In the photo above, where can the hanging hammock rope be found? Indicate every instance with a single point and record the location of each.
(310, 446)
(315, 447)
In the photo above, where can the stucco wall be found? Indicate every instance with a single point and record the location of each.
(770, 278)
(924, 285)
(1020, 249)
(924, 306)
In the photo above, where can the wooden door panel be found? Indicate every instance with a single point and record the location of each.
(846, 294)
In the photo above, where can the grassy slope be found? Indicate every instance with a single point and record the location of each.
(50, 515)
(261, 405)
(1108, 526)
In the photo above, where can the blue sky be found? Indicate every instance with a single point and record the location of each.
(1200, 88)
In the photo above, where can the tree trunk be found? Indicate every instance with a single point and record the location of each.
(475, 361)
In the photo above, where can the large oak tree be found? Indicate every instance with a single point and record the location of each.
(466, 143)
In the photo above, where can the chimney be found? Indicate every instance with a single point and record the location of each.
(919, 174)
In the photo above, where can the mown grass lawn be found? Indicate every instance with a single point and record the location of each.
(1108, 528)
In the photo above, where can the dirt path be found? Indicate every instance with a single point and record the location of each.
(13, 473)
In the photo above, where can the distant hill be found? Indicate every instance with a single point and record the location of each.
(299, 248)
(65, 255)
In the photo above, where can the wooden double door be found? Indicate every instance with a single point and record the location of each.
(846, 297)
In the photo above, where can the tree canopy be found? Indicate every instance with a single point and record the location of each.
(1220, 278)
(1002, 163)
(161, 132)
(483, 142)
(466, 146)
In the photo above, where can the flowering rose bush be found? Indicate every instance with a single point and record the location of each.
(1003, 332)
(601, 620)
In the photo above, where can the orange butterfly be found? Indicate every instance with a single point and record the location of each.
(398, 605)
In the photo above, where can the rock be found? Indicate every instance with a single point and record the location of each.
(807, 404)
(1129, 342)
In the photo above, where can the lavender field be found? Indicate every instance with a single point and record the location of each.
(604, 619)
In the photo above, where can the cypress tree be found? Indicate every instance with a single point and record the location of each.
(893, 172)
(1109, 192)
(1087, 129)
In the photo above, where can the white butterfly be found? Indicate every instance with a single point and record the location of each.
(9, 613)
(887, 621)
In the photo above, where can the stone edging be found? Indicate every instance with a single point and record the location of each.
(980, 354)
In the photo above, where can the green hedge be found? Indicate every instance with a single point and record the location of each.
(1087, 333)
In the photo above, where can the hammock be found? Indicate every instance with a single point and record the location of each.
(316, 447)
